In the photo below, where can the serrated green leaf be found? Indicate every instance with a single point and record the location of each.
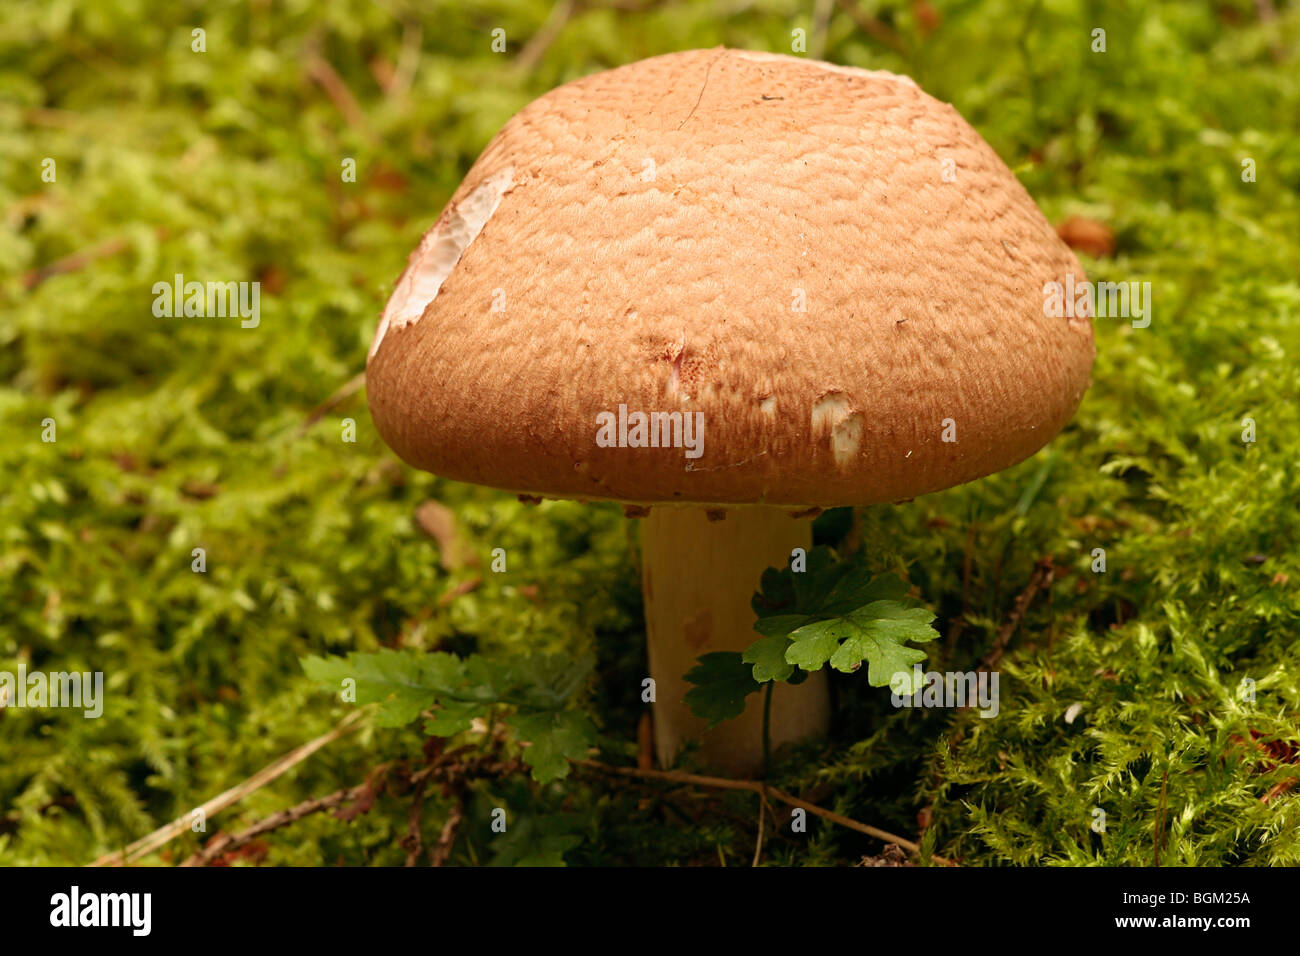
(768, 657)
(406, 684)
(854, 591)
(723, 680)
(536, 840)
(403, 684)
(452, 717)
(555, 738)
(786, 592)
(879, 634)
(834, 613)
(779, 626)
(813, 644)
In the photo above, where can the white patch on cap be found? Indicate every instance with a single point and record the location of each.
(760, 56)
(833, 414)
(438, 253)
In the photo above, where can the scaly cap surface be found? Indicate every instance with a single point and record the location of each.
(767, 240)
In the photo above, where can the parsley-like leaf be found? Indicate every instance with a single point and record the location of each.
(556, 737)
(768, 657)
(402, 684)
(536, 841)
(834, 613)
(454, 691)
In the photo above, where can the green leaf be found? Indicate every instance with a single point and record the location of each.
(833, 612)
(452, 717)
(879, 634)
(723, 680)
(548, 681)
(768, 657)
(812, 645)
(786, 592)
(556, 737)
(855, 590)
(536, 840)
(780, 625)
(403, 684)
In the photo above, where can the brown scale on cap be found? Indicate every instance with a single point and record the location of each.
(675, 292)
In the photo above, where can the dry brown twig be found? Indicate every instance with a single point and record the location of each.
(413, 842)
(872, 27)
(1161, 810)
(224, 843)
(450, 772)
(754, 786)
(77, 261)
(407, 61)
(822, 10)
(447, 769)
(322, 72)
(341, 394)
(1042, 577)
(164, 835)
(441, 851)
(541, 41)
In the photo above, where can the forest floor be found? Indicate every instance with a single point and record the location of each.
(201, 523)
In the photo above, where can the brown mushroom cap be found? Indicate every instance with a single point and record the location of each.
(646, 236)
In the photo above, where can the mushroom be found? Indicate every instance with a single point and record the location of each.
(824, 278)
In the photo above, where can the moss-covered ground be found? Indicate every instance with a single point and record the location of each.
(177, 434)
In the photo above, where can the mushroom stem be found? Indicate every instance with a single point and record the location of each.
(698, 576)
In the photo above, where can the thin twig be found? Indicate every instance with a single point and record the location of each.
(820, 23)
(341, 394)
(414, 842)
(76, 261)
(767, 729)
(407, 61)
(1042, 577)
(541, 41)
(447, 838)
(966, 564)
(754, 786)
(164, 835)
(1160, 814)
(323, 73)
(1267, 14)
(1278, 790)
(873, 27)
(454, 772)
(224, 843)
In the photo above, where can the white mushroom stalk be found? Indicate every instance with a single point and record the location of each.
(698, 575)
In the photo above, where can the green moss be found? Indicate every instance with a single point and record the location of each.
(181, 434)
